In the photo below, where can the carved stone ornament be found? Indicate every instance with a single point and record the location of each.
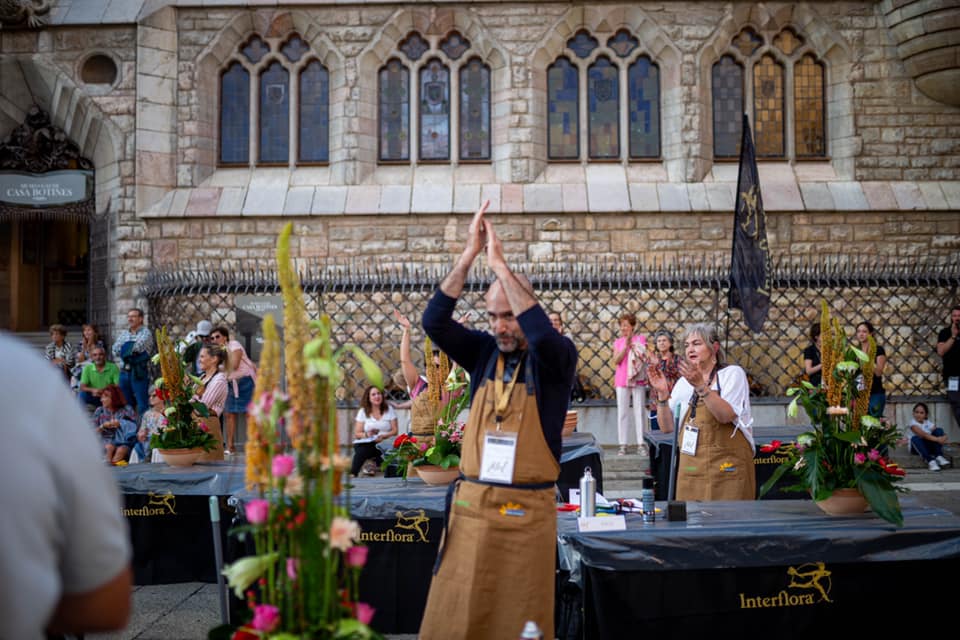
(15, 13)
(37, 146)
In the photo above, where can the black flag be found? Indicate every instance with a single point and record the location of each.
(750, 264)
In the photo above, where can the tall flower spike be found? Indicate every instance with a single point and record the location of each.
(863, 395)
(259, 434)
(296, 334)
(826, 348)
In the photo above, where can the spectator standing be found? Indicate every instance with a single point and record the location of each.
(878, 397)
(949, 349)
(196, 339)
(927, 439)
(213, 394)
(630, 380)
(60, 352)
(96, 376)
(668, 362)
(811, 356)
(131, 351)
(241, 376)
(65, 557)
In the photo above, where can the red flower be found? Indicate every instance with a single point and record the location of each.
(403, 438)
(243, 634)
(770, 448)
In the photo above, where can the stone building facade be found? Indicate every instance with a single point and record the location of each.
(137, 85)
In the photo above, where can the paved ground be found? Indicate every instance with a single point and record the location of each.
(187, 611)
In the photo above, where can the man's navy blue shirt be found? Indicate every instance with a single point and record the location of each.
(553, 358)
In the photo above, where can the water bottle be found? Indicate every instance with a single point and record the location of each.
(531, 631)
(647, 500)
(588, 495)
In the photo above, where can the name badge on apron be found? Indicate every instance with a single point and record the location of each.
(953, 383)
(499, 454)
(689, 443)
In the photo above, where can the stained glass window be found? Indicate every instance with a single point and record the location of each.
(810, 137)
(787, 41)
(563, 124)
(275, 114)
(314, 116)
(255, 50)
(454, 45)
(622, 43)
(603, 109)
(414, 46)
(434, 111)
(747, 42)
(475, 111)
(582, 44)
(394, 111)
(235, 115)
(643, 87)
(727, 78)
(768, 107)
(294, 49)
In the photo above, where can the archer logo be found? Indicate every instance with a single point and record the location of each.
(157, 505)
(807, 584)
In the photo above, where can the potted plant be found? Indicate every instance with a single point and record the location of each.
(302, 581)
(185, 436)
(845, 455)
(437, 461)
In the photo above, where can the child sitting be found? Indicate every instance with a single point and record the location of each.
(927, 439)
(153, 420)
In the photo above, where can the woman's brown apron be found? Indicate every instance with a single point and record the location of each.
(498, 557)
(213, 427)
(722, 468)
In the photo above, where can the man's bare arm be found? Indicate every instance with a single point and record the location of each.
(452, 285)
(517, 287)
(105, 608)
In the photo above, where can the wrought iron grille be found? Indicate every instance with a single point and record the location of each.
(907, 303)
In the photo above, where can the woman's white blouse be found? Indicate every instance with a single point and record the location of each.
(733, 388)
(373, 426)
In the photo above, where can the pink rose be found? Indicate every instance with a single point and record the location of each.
(203, 427)
(357, 556)
(292, 565)
(874, 455)
(859, 458)
(257, 511)
(365, 612)
(282, 465)
(265, 617)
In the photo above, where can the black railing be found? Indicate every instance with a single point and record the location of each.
(908, 302)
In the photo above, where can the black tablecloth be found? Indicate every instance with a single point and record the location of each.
(743, 567)
(661, 448)
(168, 512)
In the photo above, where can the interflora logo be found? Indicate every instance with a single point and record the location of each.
(412, 525)
(157, 505)
(807, 584)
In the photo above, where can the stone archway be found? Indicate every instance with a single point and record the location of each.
(26, 83)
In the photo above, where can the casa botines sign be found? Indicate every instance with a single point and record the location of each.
(45, 189)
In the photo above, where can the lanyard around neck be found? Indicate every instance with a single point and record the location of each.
(693, 405)
(502, 395)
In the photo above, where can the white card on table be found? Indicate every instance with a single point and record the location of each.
(601, 523)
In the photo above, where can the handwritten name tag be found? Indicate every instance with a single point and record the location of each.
(499, 454)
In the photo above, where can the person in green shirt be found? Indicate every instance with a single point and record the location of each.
(97, 375)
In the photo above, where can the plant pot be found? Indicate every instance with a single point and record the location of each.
(180, 457)
(432, 474)
(844, 502)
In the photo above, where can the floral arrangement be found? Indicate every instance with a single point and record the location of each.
(177, 389)
(847, 447)
(453, 397)
(303, 579)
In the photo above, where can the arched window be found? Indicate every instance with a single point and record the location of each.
(434, 111)
(603, 109)
(394, 111)
(314, 129)
(727, 107)
(275, 114)
(592, 121)
(643, 106)
(269, 69)
(475, 111)
(809, 116)
(451, 93)
(788, 117)
(563, 112)
(235, 115)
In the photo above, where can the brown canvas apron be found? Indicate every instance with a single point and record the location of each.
(499, 549)
(722, 468)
